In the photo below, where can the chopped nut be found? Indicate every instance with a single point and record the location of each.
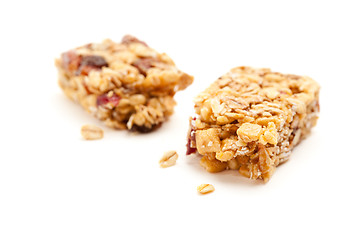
(249, 132)
(224, 156)
(233, 164)
(168, 159)
(270, 135)
(296, 138)
(211, 164)
(205, 113)
(91, 132)
(205, 188)
(207, 140)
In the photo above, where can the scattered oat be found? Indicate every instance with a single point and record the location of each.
(91, 132)
(168, 159)
(205, 188)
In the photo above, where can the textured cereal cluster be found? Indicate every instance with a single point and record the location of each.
(250, 120)
(127, 85)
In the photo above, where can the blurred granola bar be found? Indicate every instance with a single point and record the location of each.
(127, 85)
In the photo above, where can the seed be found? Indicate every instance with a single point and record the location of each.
(205, 188)
(91, 132)
(168, 159)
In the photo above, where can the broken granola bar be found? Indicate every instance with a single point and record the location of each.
(251, 119)
(126, 85)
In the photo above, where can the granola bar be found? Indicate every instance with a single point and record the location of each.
(126, 85)
(250, 120)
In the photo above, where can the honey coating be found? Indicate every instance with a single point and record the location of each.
(250, 119)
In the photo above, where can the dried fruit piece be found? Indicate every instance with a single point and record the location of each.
(144, 129)
(89, 63)
(190, 150)
(71, 61)
(94, 61)
(91, 132)
(108, 100)
(205, 188)
(144, 64)
(168, 159)
(191, 141)
(127, 39)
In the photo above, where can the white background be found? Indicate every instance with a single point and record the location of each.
(54, 185)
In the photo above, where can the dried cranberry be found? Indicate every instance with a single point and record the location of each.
(127, 39)
(189, 150)
(104, 99)
(71, 61)
(144, 64)
(191, 139)
(143, 129)
(89, 63)
(94, 61)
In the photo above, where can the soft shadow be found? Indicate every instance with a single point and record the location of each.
(69, 109)
(230, 177)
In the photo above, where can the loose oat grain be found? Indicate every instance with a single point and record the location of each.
(91, 132)
(205, 188)
(168, 159)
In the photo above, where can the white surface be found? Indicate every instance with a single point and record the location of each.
(54, 185)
